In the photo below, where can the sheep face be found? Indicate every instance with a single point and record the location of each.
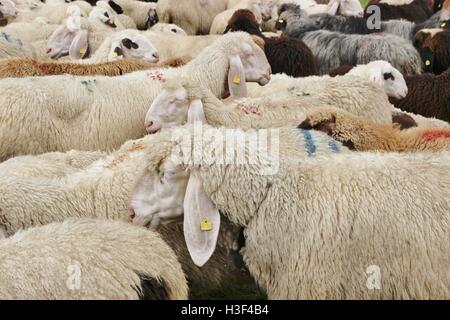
(103, 16)
(158, 197)
(7, 9)
(169, 109)
(129, 44)
(255, 66)
(389, 79)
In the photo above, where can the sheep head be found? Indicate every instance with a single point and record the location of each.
(132, 44)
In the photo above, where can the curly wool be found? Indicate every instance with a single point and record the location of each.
(428, 95)
(38, 263)
(417, 11)
(20, 68)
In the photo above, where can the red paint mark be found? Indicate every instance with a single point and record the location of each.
(248, 108)
(156, 75)
(431, 135)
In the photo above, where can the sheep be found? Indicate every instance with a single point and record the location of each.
(136, 10)
(333, 7)
(79, 34)
(445, 14)
(12, 47)
(361, 134)
(56, 13)
(26, 67)
(194, 16)
(123, 44)
(285, 55)
(279, 196)
(357, 25)
(124, 20)
(89, 259)
(170, 46)
(333, 49)
(220, 22)
(428, 95)
(74, 105)
(63, 171)
(275, 110)
(413, 10)
(8, 10)
(30, 31)
(434, 48)
(168, 28)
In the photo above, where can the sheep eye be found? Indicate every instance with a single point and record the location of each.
(389, 76)
(174, 30)
(106, 14)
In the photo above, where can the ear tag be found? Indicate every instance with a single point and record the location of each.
(206, 225)
(235, 90)
(114, 54)
(443, 24)
(427, 63)
(82, 51)
(237, 80)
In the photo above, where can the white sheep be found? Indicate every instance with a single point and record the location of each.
(56, 13)
(13, 47)
(75, 106)
(168, 28)
(119, 173)
(38, 29)
(89, 259)
(351, 92)
(136, 10)
(194, 16)
(313, 213)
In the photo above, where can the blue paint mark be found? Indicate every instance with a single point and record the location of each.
(6, 36)
(310, 145)
(333, 145)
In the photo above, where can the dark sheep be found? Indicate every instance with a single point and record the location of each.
(417, 11)
(340, 71)
(434, 48)
(285, 55)
(358, 25)
(428, 95)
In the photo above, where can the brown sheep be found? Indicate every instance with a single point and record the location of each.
(428, 95)
(26, 67)
(361, 134)
(416, 11)
(434, 48)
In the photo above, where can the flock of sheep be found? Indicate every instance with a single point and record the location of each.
(110, 112)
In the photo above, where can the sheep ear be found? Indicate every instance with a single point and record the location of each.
(196, 113)
(333, 7)
(79, 47)
(375, 76)
(236, 78)
(201, 222)
(73, 23)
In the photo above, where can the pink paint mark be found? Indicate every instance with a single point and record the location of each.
(248, 109)
(156, 75)
(433, 134)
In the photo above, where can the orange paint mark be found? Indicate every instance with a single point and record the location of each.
(433, 134)
(137, 146)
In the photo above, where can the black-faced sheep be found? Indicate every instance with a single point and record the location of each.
(428, 95)
(434, 48)
(285, 55)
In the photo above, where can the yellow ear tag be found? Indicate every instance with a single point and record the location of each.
(237, 80)
(82, 51)
(427, 63)
(443, 24)
(206, 225)
(114, 54)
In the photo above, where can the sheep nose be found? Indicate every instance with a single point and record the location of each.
(131, 213)
(49, 50)
(156, 56)
(148, 126)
